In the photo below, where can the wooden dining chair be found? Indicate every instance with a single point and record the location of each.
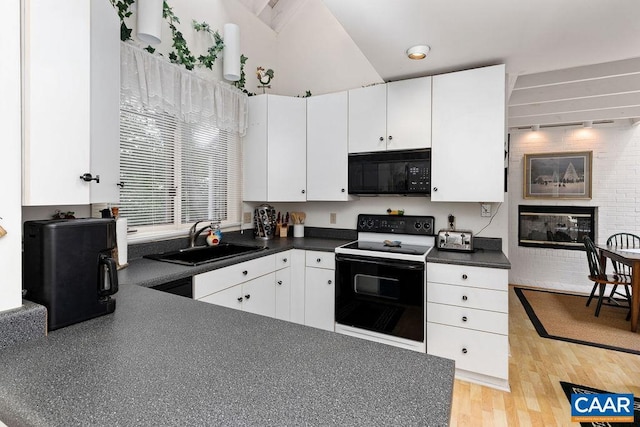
(600, 279)
(622, 240)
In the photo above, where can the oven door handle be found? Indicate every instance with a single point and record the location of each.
(415, 266)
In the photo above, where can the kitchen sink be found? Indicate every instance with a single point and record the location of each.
(204, 254)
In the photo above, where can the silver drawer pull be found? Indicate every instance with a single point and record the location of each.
(239, 299)
(464, 277)
(247, 296)
(244, 273)
(284, 260)
(464, 318)
(464, 297)
(319, 260)
(329, 282)
(279, 282)
(464, 351)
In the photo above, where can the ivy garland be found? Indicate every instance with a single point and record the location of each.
(181, 54)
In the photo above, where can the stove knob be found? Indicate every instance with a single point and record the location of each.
(427, 226)
(417, 226)
(363, 223)
(370, 223)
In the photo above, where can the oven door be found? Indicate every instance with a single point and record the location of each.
(381, 295)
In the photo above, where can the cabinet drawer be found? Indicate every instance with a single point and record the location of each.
(469, 318)
(321, 259)
(481, 352)
(217, 280)
(477, 277)
(283, 259)
(463, 296)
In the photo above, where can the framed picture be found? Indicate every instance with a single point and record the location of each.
(557, 175)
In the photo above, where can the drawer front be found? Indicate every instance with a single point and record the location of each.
(462, 296)
(481, 352)
(463, 275)
(217, 280)
(283, 259)
(321, 259)
(470, 318)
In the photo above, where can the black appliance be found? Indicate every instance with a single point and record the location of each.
(406, 172)
(381, 280)
(381, 296)
(68, 268)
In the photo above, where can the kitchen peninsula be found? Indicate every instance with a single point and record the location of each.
(162, 359)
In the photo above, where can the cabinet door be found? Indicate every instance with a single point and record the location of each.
(327, 144)
(260, 295)
(105, 103)
(287, 149)
(319, 307)
(468, 136)
(230, 297)
(254, 151)
(297, 285)
(409, 114)
(283, 294)
(368, 119)
(71, 102)
(57, 102)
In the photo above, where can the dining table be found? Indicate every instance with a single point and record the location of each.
(630, 257)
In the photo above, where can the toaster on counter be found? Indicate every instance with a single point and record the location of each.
(455, 240)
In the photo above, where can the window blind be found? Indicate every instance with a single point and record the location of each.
(176, 173)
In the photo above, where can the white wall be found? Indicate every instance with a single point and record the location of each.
(315, 53)
(615, 192)
(10, 170)
(467, 214)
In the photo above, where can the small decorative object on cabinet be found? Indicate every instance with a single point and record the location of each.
(558, 175)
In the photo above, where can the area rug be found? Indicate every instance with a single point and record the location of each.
(570, 389)
(565, 317)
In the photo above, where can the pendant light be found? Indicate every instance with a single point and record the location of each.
(231, 53)
(150, 21)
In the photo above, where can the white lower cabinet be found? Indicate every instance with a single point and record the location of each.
(319, 297)
(283, 285)
(248, 286)
(468, 321)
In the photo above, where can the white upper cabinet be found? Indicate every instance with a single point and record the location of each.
(368, 119)
(327, 174)
(71, 89)
(468, 135)
(409, 114)
(275, 149)
(394, 116)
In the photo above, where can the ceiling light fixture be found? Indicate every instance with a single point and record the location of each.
(418, 51)
(587, 124)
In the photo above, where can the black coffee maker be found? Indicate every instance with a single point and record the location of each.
(68, 268)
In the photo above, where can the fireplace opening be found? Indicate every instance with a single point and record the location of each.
(555, 227)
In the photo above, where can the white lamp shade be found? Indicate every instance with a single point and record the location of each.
(150, 21)
(231, 53)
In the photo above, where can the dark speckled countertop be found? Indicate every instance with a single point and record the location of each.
(148, 273)
(161, 359)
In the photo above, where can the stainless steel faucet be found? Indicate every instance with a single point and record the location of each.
(193, 234)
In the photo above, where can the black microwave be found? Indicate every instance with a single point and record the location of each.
(406, 172)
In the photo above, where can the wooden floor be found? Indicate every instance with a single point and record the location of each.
(536, 367)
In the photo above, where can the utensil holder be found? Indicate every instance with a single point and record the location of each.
(298, 230)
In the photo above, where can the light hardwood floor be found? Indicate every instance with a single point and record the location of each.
(536, 367)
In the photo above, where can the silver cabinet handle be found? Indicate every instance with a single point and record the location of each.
(382, 138)
(244, 273)
(464, 297)
(284, 260)
(435, 188)
(464, 351)
(279, 282)
(247, 296)
(465, 277)
(390, 137)
(302, 191)
(464, 318)
(319, 260)
(329, 282)
(239, 299)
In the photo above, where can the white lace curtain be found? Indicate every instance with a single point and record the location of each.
(159, 84)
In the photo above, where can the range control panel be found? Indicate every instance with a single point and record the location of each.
(397, 224)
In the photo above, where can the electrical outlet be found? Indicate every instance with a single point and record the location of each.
(246, 217)
(485, 209)
(332, 218)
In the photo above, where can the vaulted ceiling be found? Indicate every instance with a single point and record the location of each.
(567, 61)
